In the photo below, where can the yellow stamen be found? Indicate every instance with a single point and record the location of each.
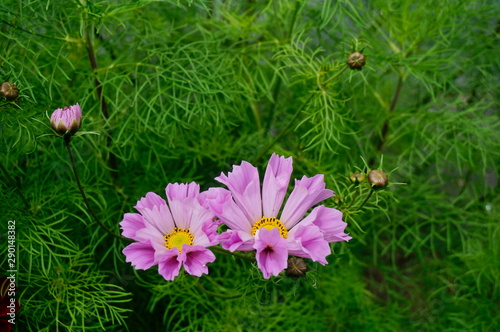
(178, 237)
(270, 223)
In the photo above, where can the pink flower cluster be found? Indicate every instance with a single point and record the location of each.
(178, 233)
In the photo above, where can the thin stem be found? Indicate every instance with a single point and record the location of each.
(356, 194)
(66, 39)
(294, 18)
(112, 161)
(277, 87)
(197, 284)
(276, 92)
(335, 76)
(285, 130)
(16, 186)
(227, 252)
(256, 115)
(385, 127)
(297, 114)
(366, 200)
(251, 99)
(82, 192)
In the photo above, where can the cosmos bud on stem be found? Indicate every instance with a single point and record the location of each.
(357, 178)
(297, 268)
(9, 90)
(356, 60)
(378, 179)
(67, 120)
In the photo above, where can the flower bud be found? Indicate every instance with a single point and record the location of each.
(378, 179)
(357, 178)
(9, 90)
(356, 60)
(297, 268)
(67, 119)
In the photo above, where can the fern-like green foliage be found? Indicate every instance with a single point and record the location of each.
(179, 91)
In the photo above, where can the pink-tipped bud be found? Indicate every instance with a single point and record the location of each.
(67, 119)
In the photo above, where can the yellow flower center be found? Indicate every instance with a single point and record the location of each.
(179, 237)
(270, 223)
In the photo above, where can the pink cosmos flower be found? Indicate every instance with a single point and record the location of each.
(173, 235)
(67, 119)
(252, 215)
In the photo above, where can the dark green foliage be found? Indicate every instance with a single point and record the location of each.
(181, 90)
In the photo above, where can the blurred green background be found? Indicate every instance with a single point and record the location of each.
(182, 90)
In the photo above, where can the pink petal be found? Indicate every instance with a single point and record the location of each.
(176, 191)
(199, 217)
(184, 205)
(140, 254)
(160, 218)
(210, 229)
(221, 203)
(147, 202)
(236, 240)
(308, 242)
(215, 198)
(56, 115)
(153, 235)
(196, 258)
(272, 253)
(130, 224)
(307, 193)
(278, 172)
(170, 264)
(329, 220)
(203, 199)
(77, 110)
(244, 184)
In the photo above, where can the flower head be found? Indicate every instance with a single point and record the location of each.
(67, 119)
(252, 215)
(171, 235)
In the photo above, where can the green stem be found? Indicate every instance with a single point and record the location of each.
(67, 139)
(236, 254)
(16, 186)
(34, 33)
(197, 283)
(276, 92)
(285, 130)
(112, 160)
(277, 87)
(334, 77)
(356, 194)
(385, 127)
(366, 199)
(296, 115)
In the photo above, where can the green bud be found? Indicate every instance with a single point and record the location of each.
(357, 178)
